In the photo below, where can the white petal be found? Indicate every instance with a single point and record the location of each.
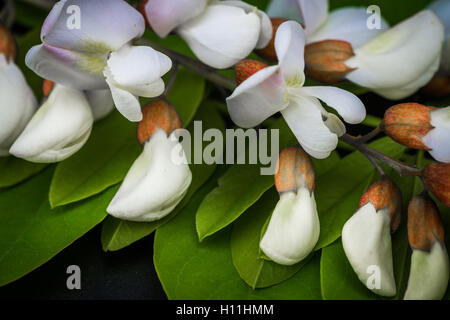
(17, 104)
(349, 106)
(400, 56)
(266, 25)
(136, 66)
(59, 128)
(429, 273)
(222, 35)
(164, 16)
(258, 97)
(293, 229)
(335, 124)
(366, 238)
(438, 138)
(126, 102)
(154, 185)
(289, 46)
(314, 13)
(67, 68)
(289, 9)
(104, 25)
(347, 24)
(101, 103)
(304, 117)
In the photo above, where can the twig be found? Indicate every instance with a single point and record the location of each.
(173, 76)
(371, 134)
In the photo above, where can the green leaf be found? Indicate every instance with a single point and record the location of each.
(29, 15)
(338, 192)
(31, 233)
(118, 234)
(101, 163)
(14, 170)
(188, 269)
(186, 94)
(245, 238)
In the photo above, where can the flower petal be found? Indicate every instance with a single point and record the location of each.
(59, 128)
(366, 238)
(164, 16)
(64, 67)
(348, 24)
(293, 229)
(126, 102)
(314, 13)
(104, 25)
(290, 46)
(101, 103)
(289, 9)
(17, 104)
(437, 138)
(399, 56)
(335, 125)
(222, 35)
(349, 106)
(155, 184)
(258, 97)
(428, 277)
(133, 66)
(304, 117)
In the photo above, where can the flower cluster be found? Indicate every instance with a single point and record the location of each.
(92, 68)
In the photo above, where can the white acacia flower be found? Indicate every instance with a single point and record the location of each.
(347, 24)
(442, 9)
(366, 236)
(17, 104)
(437, 139)
(83, 58)
(401, 60)
(280, 88)
(220, 33)
(101, 102)
(59, 128)
(155, 183)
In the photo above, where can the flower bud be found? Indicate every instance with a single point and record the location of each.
(294, 227)
(366, 236)
(268, 52)
(7, 44)
(246, 68)
(429, 273)
(437, 179)
(438, 87)
(408, 123)
(58, 129)
(157, 114)
(324, 60)
(156, 182)
(47, 87)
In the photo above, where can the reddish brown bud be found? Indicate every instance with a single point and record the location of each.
(295, 170)
(246, 68)
(384, 194)
(158, 114)
(437, 179)
(438, 87)
(268, 52)
(424, 223)
(408, 123)
(47, 87)
(324, 60)
(7, 44)
(141, 8)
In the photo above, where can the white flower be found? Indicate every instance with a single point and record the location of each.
(59, 128)
(366, 238)
(402, 59)
(280, 88)
(155, 184)
(293, 229)
(17, 104)
(437, 139)
(220, 33)
(442, 9)
(101, 103)
(347, 24)
(81, 58)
